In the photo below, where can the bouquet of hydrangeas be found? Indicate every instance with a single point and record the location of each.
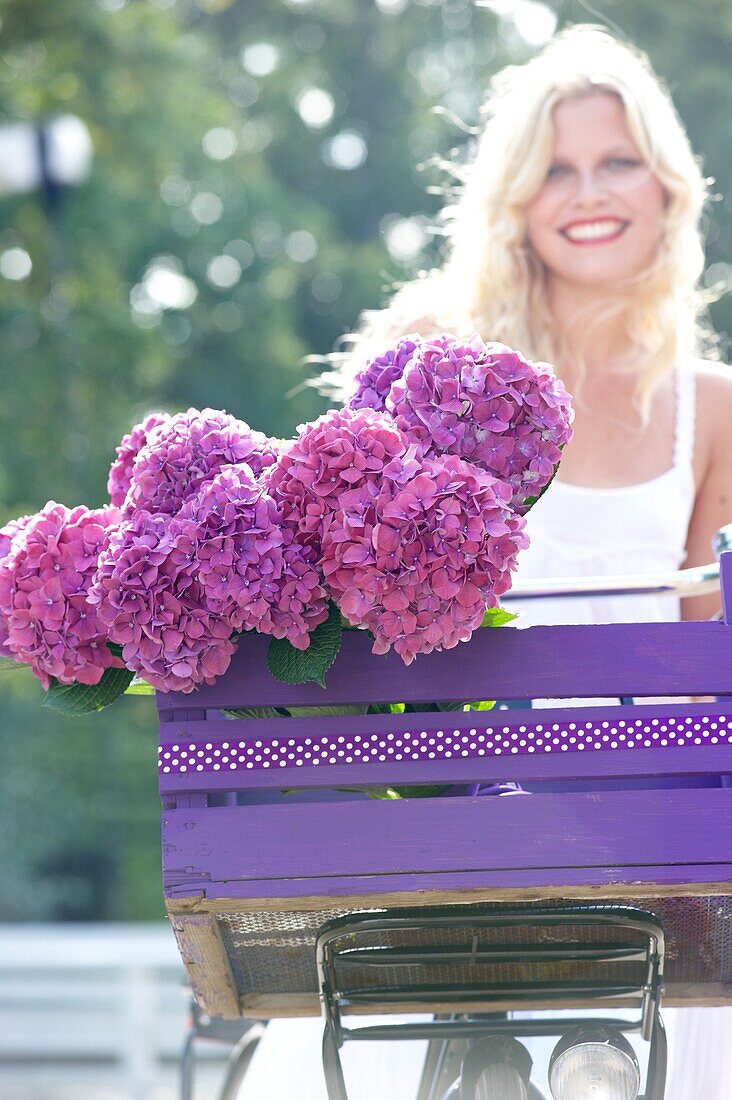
(401, 514)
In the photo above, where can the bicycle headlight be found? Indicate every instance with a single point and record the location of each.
(594, 1063)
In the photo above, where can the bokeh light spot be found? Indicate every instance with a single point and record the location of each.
(206, 207)
(256, 135)
(163, 286)
(15, 264)
(242, 252)
(326, 287)
(268, 237)
(301, 246)
(223, 271)
(219, 143)
(243, 91)
(315, 107)
(175, 190)
(346, 150)
(405, 237)
(227, 317)
(261, 58)
(534, 21)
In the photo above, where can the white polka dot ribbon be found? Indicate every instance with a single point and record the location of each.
(423, 745)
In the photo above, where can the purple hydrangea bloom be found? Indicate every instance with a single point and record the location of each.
(343, 449)
(252, 571)
(487, 404)
(188, 450)
(147, 594)
(8, 534)
(375, 380)
(420, 562)
(49, 621)
(120, 474)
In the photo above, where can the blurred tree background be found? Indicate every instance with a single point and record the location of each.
(255, 183)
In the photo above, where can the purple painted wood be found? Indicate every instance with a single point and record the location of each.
(352, 750)
(641, 764)
(442, 836)
(674, 836)
(182, 729)
(627, 877)
(542, 662)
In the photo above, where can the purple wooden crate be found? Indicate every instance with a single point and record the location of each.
(627, 803)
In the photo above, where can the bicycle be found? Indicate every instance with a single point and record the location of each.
(248, 930)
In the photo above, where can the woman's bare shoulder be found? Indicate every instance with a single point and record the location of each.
(714, 400)
(714, 385)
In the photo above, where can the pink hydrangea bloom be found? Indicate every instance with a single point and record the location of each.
(44, 582)
(375, 380)
(188, 450)
(487, 404)
(8, 534)
(147, 594)
(252, 571)
(343, 449)
(120, 474)
(420, 562)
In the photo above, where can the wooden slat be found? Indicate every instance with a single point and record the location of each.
(206, 961)
(319, 842)
(495, 764)
(297, 1005)
(183, 730)
(688, 658)
(618, 764)
(631, 879)
(608, 892)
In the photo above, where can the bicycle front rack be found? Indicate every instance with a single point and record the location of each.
(477, 967)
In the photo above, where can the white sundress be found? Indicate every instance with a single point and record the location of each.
(576, 531)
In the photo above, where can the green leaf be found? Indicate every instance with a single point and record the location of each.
(140, 687)
(384, 794)
(7, 664)
(531, 501)
(325, 712)
(296, 666)
(254, 712)
(76, 699)
(420, 792)
(498, 616)
(432, 708)
(485, 704)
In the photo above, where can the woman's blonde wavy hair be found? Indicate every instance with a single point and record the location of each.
(491, 281)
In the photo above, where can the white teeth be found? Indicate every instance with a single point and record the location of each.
(593, 230)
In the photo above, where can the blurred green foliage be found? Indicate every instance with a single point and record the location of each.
(255, 184)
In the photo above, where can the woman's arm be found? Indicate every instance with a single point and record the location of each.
(713, 505)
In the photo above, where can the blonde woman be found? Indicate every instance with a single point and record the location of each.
(575, 238)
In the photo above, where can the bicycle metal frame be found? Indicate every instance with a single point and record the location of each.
(338, 946)
(186, 797)
(242, 1035)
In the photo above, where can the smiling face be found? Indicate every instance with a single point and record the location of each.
(598, 216)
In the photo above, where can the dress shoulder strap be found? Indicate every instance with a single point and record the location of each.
(685, 416)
